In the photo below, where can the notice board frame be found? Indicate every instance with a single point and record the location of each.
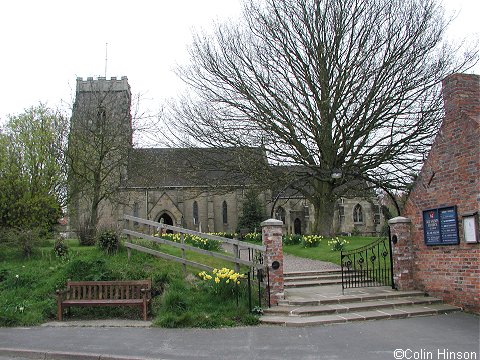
(440, 226)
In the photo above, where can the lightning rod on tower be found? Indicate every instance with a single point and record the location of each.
(106, 58)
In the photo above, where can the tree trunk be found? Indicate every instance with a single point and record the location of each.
(324, 207)
(93, 221)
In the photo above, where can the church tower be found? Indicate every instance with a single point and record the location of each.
(100, 141)
(97, 100)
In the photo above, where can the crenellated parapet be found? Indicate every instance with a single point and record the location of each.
(103, 84)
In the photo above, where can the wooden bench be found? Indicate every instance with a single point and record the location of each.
(105, 293)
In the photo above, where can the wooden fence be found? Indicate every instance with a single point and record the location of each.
(149, 230)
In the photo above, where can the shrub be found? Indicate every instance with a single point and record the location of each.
(60, 249)
(311, 240)
(108, 241)
(292, 239)
(26, 240)
(86, 235)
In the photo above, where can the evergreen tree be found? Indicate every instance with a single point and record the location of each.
(252, 213)
(32, 177)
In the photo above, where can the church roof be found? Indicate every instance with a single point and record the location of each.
(191, 167)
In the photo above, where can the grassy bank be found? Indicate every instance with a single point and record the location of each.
(27, 288)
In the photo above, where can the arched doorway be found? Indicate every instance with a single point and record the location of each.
(297, 226)
(167, 220)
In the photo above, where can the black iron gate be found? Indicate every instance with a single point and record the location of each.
(370, 265)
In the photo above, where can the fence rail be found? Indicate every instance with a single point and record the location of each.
(154, 227)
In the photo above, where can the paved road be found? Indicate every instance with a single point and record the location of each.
(417, 338)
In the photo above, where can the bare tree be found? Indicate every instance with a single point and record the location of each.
(349, 87)
(99, 143)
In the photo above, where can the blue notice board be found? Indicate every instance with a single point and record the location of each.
(440, 226)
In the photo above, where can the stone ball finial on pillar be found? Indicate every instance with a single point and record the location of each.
(272, 232)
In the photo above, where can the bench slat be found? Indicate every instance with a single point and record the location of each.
(105, 293)
(103, 302)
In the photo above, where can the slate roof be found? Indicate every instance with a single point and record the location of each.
(186, 167)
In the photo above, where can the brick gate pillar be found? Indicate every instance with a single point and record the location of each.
(272, 231)
(402, 249)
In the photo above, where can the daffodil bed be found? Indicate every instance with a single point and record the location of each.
(225, 283)
(202, 243)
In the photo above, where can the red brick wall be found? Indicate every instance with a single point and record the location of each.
(272, 231)
(450, 176)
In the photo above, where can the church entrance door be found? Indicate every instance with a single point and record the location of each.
(167, 220)
(297, 227)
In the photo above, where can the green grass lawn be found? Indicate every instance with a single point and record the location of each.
(323, 252)
(27, 287)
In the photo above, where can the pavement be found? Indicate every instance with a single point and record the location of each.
(443, 337)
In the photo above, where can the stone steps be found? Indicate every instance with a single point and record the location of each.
(340, 299)
(311, 273)
(339, 308)
(387, 313)
(318, 282)
(298, 309)
(312, 278)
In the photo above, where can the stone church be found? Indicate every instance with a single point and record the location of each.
(183, 187)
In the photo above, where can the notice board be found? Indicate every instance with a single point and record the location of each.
(440, 226)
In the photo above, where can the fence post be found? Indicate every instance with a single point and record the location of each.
(272, 231)
(184, 255)
(126, 225)
(236, 254)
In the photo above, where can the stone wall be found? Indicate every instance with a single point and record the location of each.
(178, 204)
(450, 177)
(343, 222)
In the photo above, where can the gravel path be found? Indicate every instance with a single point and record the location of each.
(294, 263)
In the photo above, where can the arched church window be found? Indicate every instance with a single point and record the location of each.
(225, 212)
(101, 117)
(358, 214)
(341, 214)
(280, 214)
(195, 213)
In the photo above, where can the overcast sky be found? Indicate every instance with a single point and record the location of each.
(46, 44)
